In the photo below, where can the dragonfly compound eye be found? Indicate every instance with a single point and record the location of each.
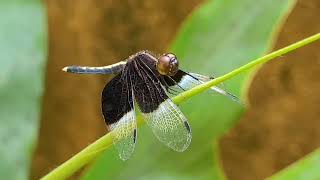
(168, 64)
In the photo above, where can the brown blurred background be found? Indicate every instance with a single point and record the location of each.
(279, 128)
(282, 124)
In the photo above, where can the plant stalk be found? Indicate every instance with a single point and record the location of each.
(85, 156)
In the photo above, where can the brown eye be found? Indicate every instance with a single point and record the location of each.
(168, 64)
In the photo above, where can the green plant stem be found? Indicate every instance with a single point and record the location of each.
(69, 167)
(200, 88)
(93, 150)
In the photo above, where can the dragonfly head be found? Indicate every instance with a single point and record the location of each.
(168, 64)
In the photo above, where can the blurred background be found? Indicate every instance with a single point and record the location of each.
(47, 116)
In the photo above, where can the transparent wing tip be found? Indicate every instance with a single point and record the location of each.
(181, 146)
(124, 156)
(124, 134)
(234, 98)
(124, 147)
(226, 93)
(183, 142)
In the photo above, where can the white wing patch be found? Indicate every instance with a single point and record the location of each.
(124, 134)
(170, 126)
(188, 82)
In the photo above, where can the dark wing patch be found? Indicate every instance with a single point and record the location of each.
(172, 83)
(118, 111)
(173, 80)
(115, 101)
(164, 118)
(146, 83)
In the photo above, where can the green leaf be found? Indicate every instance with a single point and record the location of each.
(22, 54)
(306, 168)
(219, 36)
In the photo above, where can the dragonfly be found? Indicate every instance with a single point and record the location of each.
(146, 81)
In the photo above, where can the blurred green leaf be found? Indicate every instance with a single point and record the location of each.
(220, 36)
(22, 55)
(306, 168)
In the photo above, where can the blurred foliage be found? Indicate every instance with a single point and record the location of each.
(218, 37)
(306, 168)
(22, 54)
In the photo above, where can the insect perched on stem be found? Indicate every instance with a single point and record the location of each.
(146, 80)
